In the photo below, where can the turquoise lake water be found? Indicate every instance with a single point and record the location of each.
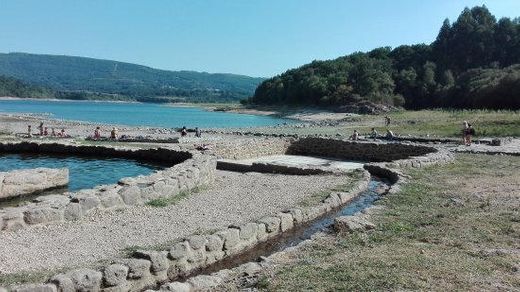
(84, 172)
(137, 114)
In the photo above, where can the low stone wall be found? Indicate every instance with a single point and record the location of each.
(263, 167)
(192, 170)
(251, 147)
(28, 181)
(357, 150)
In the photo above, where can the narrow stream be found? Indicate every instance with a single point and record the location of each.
(299, 233)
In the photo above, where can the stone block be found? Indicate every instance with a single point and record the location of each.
(86, 280)
(110, 200)
(13, 220)
(346, 196)
(87, 200)
(261, 232)
(44, 214)
(115, 275)
(63, 283)
(36, 288)
(297, 215)
(180, 250)
(230, 236)
(214, 256)
(131, 195)
(249, 269)
(333, 201)
(286, 221)
(272, 224)
(353, 223)
(159, 259)
(197, 241)
(248, 231)
(73, 211)
(137, 268)
(214, 243)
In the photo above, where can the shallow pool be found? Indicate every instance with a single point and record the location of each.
(84, 172)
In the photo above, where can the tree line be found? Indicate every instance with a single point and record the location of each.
(473, 63)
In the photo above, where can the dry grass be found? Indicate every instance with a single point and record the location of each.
(454, 227)
(432, 123)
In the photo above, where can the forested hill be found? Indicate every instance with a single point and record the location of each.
(473, 63)
(80, 75)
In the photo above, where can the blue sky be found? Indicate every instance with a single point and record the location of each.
(257, 38)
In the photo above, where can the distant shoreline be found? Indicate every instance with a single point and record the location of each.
(67, 100)
(300, 114)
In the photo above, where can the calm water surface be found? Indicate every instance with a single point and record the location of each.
(137, 114)
(84, 172)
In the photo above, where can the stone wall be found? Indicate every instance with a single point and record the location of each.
(251, 147)
(356, 150)
(28, 181)
(190, 170)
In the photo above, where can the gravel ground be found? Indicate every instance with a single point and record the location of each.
(234, 198)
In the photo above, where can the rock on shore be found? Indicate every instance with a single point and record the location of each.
(26, 181)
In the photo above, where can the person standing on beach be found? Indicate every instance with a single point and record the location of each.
(40, 127)
(114, 134)
(387, 121)
(29, 131)
(197, 132)
(97, 133)
(467, 132)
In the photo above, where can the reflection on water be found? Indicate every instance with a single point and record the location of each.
(84, 172)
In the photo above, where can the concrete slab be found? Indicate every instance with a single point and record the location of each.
(302, 161)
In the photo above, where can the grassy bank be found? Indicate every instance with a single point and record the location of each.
(433, 123)
(453, 227)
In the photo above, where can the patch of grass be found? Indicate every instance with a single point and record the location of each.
(172, 200)
(433, 235)
(433, 123)
(27, 277)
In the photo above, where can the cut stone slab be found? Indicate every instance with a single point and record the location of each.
(353, 223)
(27, 181)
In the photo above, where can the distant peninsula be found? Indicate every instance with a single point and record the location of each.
(69, 77)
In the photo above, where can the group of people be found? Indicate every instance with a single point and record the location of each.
(44, 131)
(373, 135)
(114, 134)
(184, 132)
(467, 133)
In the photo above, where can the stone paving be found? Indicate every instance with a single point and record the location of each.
(303, 161)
